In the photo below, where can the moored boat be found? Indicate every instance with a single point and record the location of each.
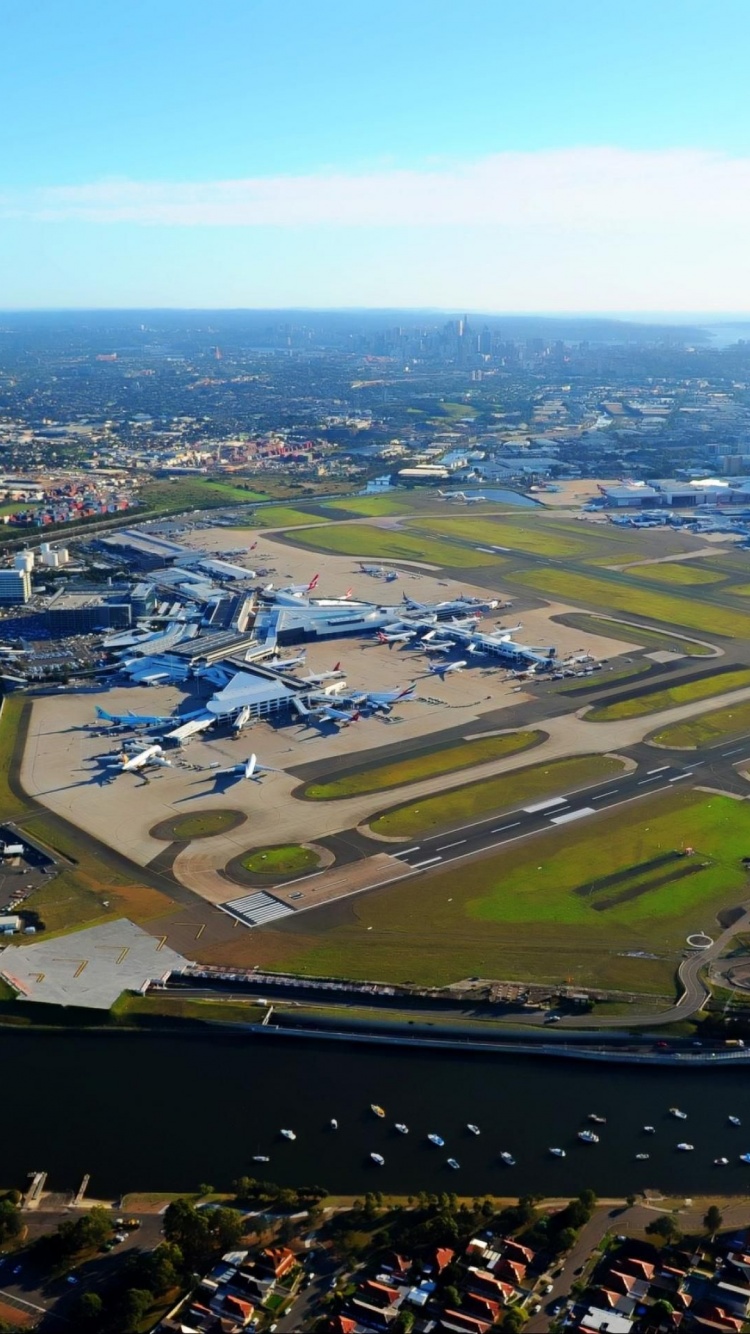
(675, 1111)
(734, 1121)
(436, 1139)
(379, 1111)
(721, 1162)
(401, 1128)
(685, 1148)
(261, 1158)
(745, 1157)
(288, 1134)
(453, 1162)
(641, 1157)
(378, 1159)
(649, 1130)
(598, 1120)
(474, 1129)
(557, 1153)
(588, 1137)
(507, 1158)
(334, 1123)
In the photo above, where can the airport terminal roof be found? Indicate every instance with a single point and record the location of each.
(90, 968)
(248, 688)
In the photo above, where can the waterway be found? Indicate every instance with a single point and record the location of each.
(165, 1112)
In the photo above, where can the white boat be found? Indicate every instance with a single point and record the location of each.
(649, 1130)
(436, 1139)
(288, 1134)
(453, 1162)
(721, 1162)
(378, 1158)
(334, 1123)
(401, 1128)
(261, 1158)
(379, 1111)
(474, 1129)
(558, 1153)
(745, 1157)
(675, 1111)
(685, 1148)
(507, 1158)
(598, 1120)
(588, 1137)
(734, 1121)
(641, 1157)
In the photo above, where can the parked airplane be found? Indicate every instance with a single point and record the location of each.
(131, 719)
(286, 664)
(318, 710)
(462, 497)
(376, 571)
(316, 678)
(249, 768)
(241, 719)
(395, 636)
(141, 760)
(443, 668)
(439, 646)
(383, 700)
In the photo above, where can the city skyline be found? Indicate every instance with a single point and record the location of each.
(587, 161)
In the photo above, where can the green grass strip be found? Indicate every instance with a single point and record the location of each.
(656, 700)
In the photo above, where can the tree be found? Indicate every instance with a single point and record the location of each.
(662, 1310)
(452, 1296)
(713, 1220)
(565, 1239)
(10, 1220)
(665, 1227)
(89, 1309)
(404, 1323)
(513, 1320)
(135, 1304)
(630, 1201)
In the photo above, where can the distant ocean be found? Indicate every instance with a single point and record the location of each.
(722, 335)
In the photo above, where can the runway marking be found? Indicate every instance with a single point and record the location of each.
(407, 851)
(545, 805)
(298, 879)
(654, 779)
(660, 770)
(601, 795)
(572, 815)
(677, 777)
(736, 751)
(502, 827)
(444, 846)
(417, 866)
(742, 761)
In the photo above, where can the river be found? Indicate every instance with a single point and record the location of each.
(164, 1112)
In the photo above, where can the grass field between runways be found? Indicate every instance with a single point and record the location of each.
(685, 573)
(617, 595)
(367, 542)
(577, 904)
(633, 634)
(458, 805)
(655, 701)
(719, 725)
(430, 764)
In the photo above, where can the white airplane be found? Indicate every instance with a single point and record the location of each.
(277, 664)
(131, 719)
(385, 699)
(376, 571)
(141, 760)
(395, 636)
(444, 646)
(242, 719)
(249, 768)
(320, 710)
(316, 678)
(443, 668)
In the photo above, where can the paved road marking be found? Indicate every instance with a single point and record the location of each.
(677, 778)
(545, 805)
(298, 879)
(744, 760)
(601, 795)
(407, 851)
(653, 779)
(444, 846)
(659, 771)
(572, 815)
(417, 866)
(500, 829)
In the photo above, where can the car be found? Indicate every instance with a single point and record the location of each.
(72, 1279)
(548, 1287)
(579, 1270)
(17, 1269)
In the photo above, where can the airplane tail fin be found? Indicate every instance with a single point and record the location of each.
(337, 666)
(251, 766)
(313, 583)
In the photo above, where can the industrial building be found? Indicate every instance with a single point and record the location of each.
(82, 610)
(15, 586)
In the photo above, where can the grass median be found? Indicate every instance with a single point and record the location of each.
(655, 701)
(618, 595)
(460, 805)
(428, 764)
(685, 573)
(719, 725)
(284, 859)
(367, 542)
(634, 634)
(605, 902)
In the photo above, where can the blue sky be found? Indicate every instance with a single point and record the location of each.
(587, 155)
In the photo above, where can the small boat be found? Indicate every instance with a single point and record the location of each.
(649, 1130)
(474, 1129)
(261, 1158)
(378, 1158)
(745, 1157)
(557, 1153)
(436, 1139)
(588, 1137)
(685, 1148)
(453, 1162)
(641, 1157)
(288, 1134)
(675, 1111)
(379, 1111)
(333, 1123)
(598, 1120)
(721, 1162)
(507, 1158)
(401, 1128)
(734, 1121)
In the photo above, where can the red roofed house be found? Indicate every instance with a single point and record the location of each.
(276, 1261)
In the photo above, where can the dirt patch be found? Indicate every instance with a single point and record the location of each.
(186, 828)
(729, 916)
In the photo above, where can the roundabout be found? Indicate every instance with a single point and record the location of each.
(278, 863)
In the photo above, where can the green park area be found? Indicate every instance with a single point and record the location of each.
(196, 493)
(707, 729)
(460, 805)
(686, 573)
(669, 697)
(604, 902)
(616, 594)
(634, 634)
(199, 824)
(367, 542)
(282, 860)
(374, 507)
(427, 764)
